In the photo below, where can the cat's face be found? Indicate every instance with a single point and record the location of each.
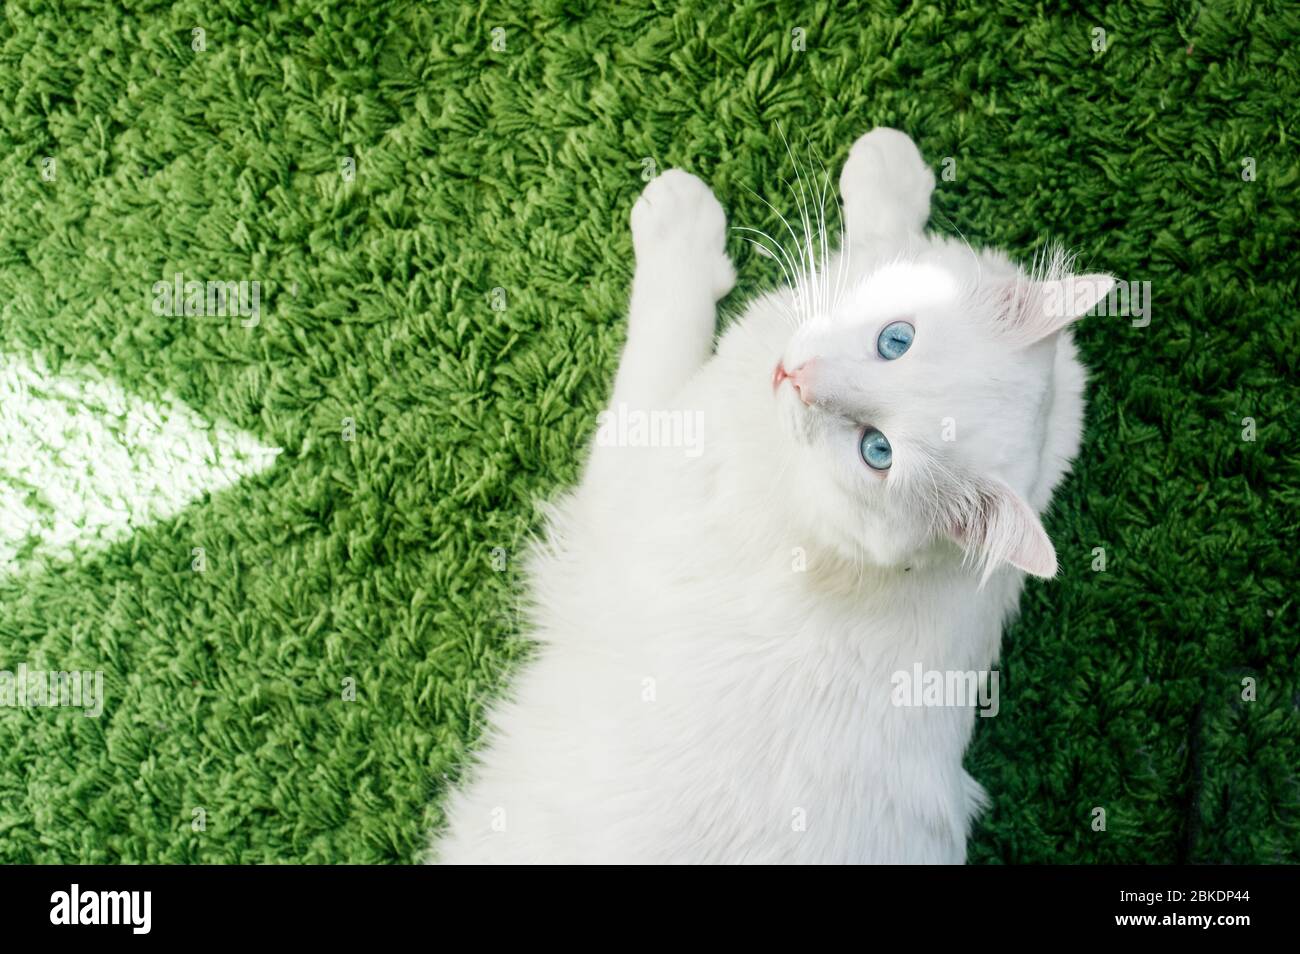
(921, 400)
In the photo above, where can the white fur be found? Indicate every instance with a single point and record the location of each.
(717, 632)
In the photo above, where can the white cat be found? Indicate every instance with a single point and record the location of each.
(720, 624)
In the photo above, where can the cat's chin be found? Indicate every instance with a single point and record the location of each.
(844, 530)
(887, 551)
(831, 569)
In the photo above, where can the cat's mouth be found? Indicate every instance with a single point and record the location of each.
(794, 404)
(797, 379)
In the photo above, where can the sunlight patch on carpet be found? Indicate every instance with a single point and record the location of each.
(83, 463)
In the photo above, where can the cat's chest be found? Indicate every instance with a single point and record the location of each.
(794, 735)
(797, 673)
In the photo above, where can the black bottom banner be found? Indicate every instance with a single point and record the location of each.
(340, 904)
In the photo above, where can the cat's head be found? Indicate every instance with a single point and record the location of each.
(921, 408)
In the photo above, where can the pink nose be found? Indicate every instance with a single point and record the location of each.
(798, 379)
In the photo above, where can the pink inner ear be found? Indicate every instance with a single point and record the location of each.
(1034, 553)
(1034, 310)
(1079, 294)
(1020, 306)
(1002, 528)
(1022, 541)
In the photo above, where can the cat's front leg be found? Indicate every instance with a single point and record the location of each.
(886, 188)
(682, 270)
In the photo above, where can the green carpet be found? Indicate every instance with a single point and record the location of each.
(299, 643)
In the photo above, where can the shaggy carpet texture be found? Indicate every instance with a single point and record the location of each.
(283, 520)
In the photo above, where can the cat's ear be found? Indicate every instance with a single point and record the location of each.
(996, 525)
(1033, 310)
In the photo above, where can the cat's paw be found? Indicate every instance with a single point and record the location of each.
(679, 223)
(886, 184)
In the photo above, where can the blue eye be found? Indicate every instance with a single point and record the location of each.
(895, 340)
(875, 450)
